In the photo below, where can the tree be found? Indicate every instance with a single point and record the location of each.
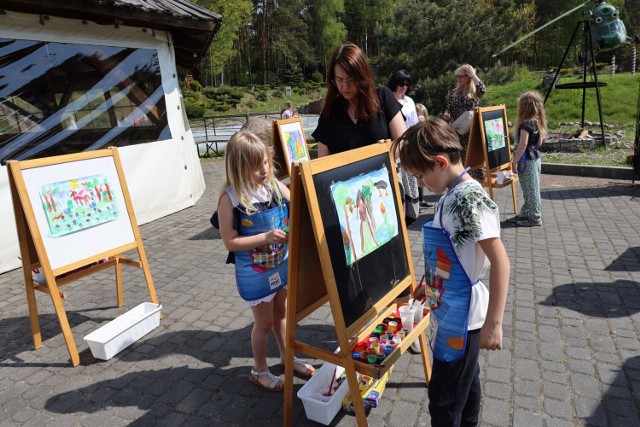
(327, 29)
(236, 15)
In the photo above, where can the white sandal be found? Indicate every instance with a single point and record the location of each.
(276, 382)
(301, 368)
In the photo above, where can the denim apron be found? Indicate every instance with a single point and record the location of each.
(262, 271)
(448, 290)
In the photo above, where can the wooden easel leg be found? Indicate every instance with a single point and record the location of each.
(147, 274)
(64, 324)
(33, 309)
(119, 291)
(513, 194)
(289, 353)
(358, 404)
(425, 357)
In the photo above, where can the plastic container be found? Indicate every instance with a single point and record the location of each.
(110, 339)
(316, 408)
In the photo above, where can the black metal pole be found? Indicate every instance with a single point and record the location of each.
(595, 77)
(586, 36)
(566, 52)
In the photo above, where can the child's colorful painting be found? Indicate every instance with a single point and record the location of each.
(367, 213)
(494, 130)
(294, 142)
(78, 204)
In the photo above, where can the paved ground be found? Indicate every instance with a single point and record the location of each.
(571, 357)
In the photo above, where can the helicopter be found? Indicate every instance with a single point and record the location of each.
(608, 31)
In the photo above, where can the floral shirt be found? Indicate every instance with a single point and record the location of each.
(470, 216)
(459, 103)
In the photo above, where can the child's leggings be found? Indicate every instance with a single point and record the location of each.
(530, 183)
(454, 388)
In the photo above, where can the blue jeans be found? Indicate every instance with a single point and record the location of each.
(454, 388)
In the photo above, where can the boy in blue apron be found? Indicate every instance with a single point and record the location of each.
(460, 244)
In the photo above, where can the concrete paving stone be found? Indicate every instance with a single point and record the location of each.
(523, 418)
(559, 408)
(497, 390)
(591, 412)
(584, 385)
(526, 387)
(581, 366)
(529, 403)
(526, 369)
(496, 412)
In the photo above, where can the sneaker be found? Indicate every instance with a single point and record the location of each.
(426, 204)
(515, 219)
(415, 347)
(528, 223)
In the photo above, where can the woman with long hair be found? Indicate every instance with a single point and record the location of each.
(356, 113)
(462, 101)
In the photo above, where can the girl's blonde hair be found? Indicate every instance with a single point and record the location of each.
(531, 107)
(245, 154)
(471, 91)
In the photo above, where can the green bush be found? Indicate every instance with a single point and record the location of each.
(317, 77)
(193, 108)
(195, 86)
(277, 93)
(262, 95)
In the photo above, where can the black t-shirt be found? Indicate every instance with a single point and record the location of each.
(339, 133)
(532, 152)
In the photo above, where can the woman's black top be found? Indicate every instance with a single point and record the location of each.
(339, 133)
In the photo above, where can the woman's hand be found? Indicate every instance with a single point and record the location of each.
(471, 72)
(277, 236)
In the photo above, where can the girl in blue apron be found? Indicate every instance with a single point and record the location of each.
(459, 245)
(253, 218)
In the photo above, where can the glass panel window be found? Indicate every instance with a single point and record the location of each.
(60, 98)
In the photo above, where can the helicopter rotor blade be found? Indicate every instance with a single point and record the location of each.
(540, 28)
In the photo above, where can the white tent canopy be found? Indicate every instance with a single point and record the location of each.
(122, 89)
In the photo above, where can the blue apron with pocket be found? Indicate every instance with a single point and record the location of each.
(263, 270)
(448, 291)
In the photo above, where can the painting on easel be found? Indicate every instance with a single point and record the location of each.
(77, 204)
(366, 212)
(290, 145)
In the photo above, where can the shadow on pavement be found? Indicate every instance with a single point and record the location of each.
(628, 261)
(608, 300)
(219, 394)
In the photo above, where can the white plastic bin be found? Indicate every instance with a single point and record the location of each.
(311, 393)
(124, 330)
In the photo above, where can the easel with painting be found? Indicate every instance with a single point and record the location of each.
(348, 246)
(489, 148)
(74, 218)
(289, 145)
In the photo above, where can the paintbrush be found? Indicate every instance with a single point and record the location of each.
(333, 378)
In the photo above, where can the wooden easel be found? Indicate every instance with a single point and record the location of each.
(284, 155)
(312, 281)
(494, 161)
(40, 250)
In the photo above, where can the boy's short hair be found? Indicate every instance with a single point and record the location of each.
(422, 142)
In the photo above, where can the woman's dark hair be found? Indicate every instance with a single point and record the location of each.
(398, 77)
(356, 64)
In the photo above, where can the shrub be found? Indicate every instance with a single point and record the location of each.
(317, 77)
(193, 108)
(195, 86)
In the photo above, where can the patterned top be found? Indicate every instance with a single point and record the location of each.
(459, 103)
(470, 216)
